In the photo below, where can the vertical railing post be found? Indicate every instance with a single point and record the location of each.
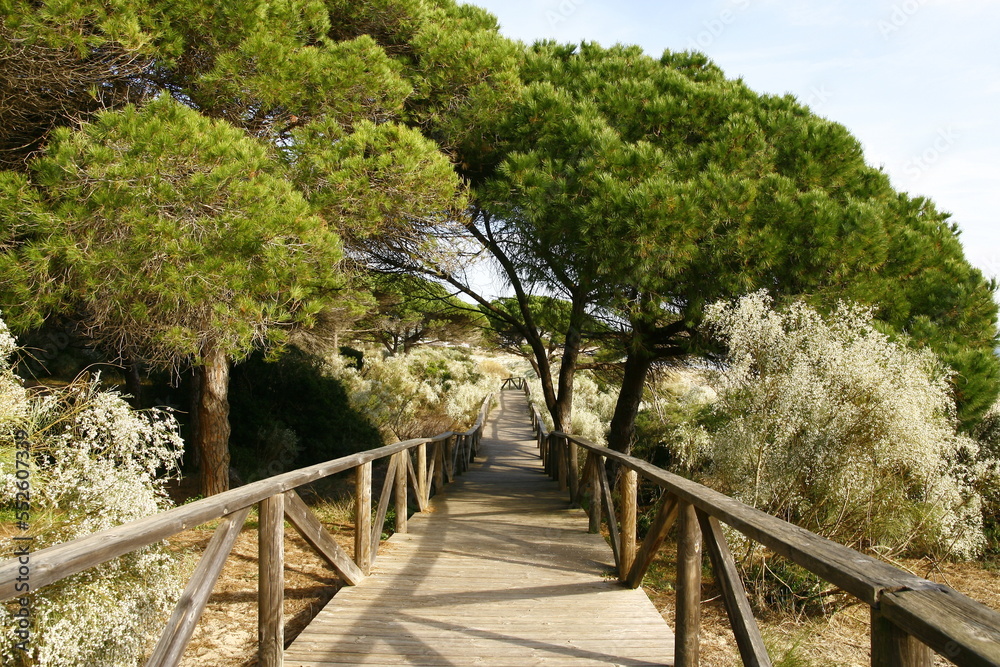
(271, 581)
(400, 491)
(892, 647)
(688, 616)
(574, 472)
(630, 497)
(422, 489)
(563, 468)
(554, 455)
(449, 458)
(363, 517)
(439, 466)
(594, 511)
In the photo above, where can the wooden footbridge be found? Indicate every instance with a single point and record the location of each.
(500, 572)
(498, 568)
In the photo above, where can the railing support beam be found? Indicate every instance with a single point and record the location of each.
(180, 628)
(439, 471)
(573, 453)
(400, 491)
(629, 509)
(893, 647)
(562, 466)
(594, 482)
(423, 490)
(363, 517)
(688, 617)
(747, 634)
(654, 539)
(271, 582)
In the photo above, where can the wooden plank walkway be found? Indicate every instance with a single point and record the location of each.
(499, 572)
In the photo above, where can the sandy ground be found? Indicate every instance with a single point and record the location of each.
(227, 632)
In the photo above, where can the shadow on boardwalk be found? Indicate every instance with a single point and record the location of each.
(499, 572)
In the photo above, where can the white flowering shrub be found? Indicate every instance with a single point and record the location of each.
(987, 434)
(424, 392)
(827, 422)
(95, 464)
(668, 429)
(593, 406)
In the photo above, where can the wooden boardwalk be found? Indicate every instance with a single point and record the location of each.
(499, 572)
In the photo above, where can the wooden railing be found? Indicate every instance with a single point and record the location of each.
(410, 469)
(909, 615)
(512, 383)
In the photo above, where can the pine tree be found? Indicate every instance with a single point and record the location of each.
(641, 189)
(169, 236)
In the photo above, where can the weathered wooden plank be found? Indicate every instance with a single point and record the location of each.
(644, 634)
(400, 491)
(363, 518)
(573, 454)
(687, 649)
(423, 491)
(741, 618)
(312, 530)
(629, 508)
(563, 463)
(271, 582)
(436, 469)
(966, 634)
(665, 517)
(449, 460)
(375, 660)
(411, 473)
(594, 484)
(180, 627)
(458, 464)
(609, 511)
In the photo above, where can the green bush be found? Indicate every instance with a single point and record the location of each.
(286, 413)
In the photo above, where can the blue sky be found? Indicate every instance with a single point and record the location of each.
(916, 81)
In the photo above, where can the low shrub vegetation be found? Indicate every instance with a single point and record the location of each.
(95, 463)
(830, 424)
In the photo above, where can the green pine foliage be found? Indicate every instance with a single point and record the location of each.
(650, 187)
(384, 186)
(411, 311)
(162, 230)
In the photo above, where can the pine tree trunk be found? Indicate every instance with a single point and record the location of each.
(567, 372)
(622, 434)
(544, 371)
(212, 432)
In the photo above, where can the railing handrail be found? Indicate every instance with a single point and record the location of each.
(863, 576)
(68, 558)
(905, 607)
